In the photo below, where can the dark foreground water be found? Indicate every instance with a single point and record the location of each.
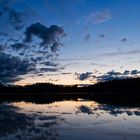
(68, 120)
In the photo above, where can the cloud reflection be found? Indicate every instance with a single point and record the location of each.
(107, 109)
(17, 125)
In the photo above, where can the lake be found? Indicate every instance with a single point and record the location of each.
(79, 119)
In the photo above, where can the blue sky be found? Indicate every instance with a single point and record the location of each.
(100, 36)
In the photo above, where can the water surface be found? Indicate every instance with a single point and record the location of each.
(67, 120)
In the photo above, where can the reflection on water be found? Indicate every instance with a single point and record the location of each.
(63, 120)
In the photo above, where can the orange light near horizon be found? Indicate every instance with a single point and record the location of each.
(64, 80)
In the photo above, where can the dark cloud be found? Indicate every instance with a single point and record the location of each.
(20, 52)
(48, 69)
(114, 73)
(48, 63)
(108, 76)
(50, 36)
(42, 52)
(84, 109)
(83, 76)
(37, 57)
(3, 34)
(126, 72)
(118, 75)
(1, 48)
(101, 35)
(13, 16)
(123, 40)
(40, 74)
(11, 67)
(135, 72)
(4, 5)
(111, 75)
(55, 47)
(18, 46)
(66, 73)
(15, 19)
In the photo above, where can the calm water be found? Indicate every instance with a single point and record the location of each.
(68, 120)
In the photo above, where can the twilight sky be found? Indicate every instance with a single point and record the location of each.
(69, 41)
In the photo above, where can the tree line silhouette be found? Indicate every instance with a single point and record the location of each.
(117, 92)
(124, 85)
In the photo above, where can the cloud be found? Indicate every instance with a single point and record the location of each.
(121, 53)
(111, 75)
(26, 50)
(18, 46)
(13, 16)
(101, 35)
(87, 37)
(48, 69)
(3, 34)
(99, 17)
(135, 72)
(83, 76)
(48, 63)
(1, 48)
(15, 19)
(108, 76)
(11, 67)
(126, 72)
(84, 109)
(50, 36)
(66, 73)
(55, 47)
(123, 40)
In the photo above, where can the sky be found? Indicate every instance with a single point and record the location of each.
(69, 41)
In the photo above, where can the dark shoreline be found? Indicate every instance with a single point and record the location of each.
(124, 92)
(119, 98)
